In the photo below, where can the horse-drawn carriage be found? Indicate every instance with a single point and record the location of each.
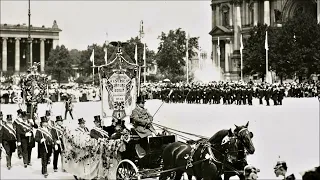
(164, 156)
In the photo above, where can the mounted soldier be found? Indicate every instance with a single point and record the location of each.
(8, 139)
(57, 132)
(97, 132)
(82, 126)
(44, 138)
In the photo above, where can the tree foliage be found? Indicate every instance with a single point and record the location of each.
(172, 52)
(58, 64)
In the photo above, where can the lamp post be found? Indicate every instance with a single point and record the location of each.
(29, 60)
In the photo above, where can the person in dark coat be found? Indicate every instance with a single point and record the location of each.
(8, 139)
(44, 138)
(68, 107)
(25, 137)
(97, 132)
(1, 124)
(82, 126)
(57, 132)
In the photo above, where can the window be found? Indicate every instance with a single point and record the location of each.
(225, 16)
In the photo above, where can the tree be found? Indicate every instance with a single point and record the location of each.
(254, 53)
(86, 64)
(58, 64)
(75, 56)
(172, 52)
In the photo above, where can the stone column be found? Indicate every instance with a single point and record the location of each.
(42, 55)
(17, 57)
(4, 54)
(214, 53)
(237, 25)
(266, 12)
(318, 11)
(226, 59)
(231, 15)
(243, 12)
(213, 8)
(218, 23)
(256, 13)
(247, 12)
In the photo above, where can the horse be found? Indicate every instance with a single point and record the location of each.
(205, 161)
(245, 146)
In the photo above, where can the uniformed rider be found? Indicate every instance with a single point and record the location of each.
(8, 139)
(97, 132)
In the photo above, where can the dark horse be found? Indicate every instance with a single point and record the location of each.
(227, 156)
(245, 147)
(203, 161)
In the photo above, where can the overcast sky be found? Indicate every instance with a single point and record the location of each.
(87, 22)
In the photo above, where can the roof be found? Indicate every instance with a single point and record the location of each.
(14, 27)
(220, 30)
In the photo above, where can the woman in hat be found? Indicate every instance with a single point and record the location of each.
(97, 132)
(82, 126)
(44, 138)
(8, 139)
(57, 132)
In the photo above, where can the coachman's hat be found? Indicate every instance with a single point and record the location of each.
(9, 117)
(59, 118)
(140, 99)
(48, 113)
(81, 121)
(97, 118)
(44, 119)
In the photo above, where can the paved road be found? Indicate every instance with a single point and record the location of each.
(291, 131)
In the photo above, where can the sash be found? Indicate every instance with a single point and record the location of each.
(82, 129)
(101, 131)
(46, 133)
(10, 130)
(58, 130)
(24, 125)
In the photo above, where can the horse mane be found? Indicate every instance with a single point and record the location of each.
(218, 136)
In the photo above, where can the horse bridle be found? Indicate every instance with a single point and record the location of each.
(240, 139)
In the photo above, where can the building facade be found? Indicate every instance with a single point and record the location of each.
(233, 18)
(14, 44)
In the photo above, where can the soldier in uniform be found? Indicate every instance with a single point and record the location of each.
(82, 126)
(44, 138)
(8, 139)
(97, 132)
(25, 138)
(57, 132)
(68, 107)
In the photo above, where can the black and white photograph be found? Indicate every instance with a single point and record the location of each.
(160, 90)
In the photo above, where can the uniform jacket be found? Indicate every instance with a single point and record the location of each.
(140, 118)
(8, 133)
(46, 134)
(22, 128)
(82, 129)
(57, 132)
(97, 133)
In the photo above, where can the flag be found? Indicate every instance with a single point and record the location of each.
(92, 57)
(106, 55)
(144, 54)
(266, 42)
(241, 44)
(218, 47)
(136, 54)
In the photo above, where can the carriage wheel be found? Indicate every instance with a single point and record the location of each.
(127, 170)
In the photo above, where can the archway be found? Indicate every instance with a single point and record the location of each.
(293, 7)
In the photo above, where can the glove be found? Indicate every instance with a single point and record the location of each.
(19, 143)
(56, 147)
(58, 142)
(42, 140)
(28, 134)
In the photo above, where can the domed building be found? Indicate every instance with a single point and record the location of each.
(231, 18)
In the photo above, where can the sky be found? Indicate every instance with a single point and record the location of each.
(86, 22)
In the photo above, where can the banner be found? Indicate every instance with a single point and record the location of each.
(118, 96)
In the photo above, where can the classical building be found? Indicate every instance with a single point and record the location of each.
(231, 18)
(14, 44)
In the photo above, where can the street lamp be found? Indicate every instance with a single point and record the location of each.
(29, 60)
